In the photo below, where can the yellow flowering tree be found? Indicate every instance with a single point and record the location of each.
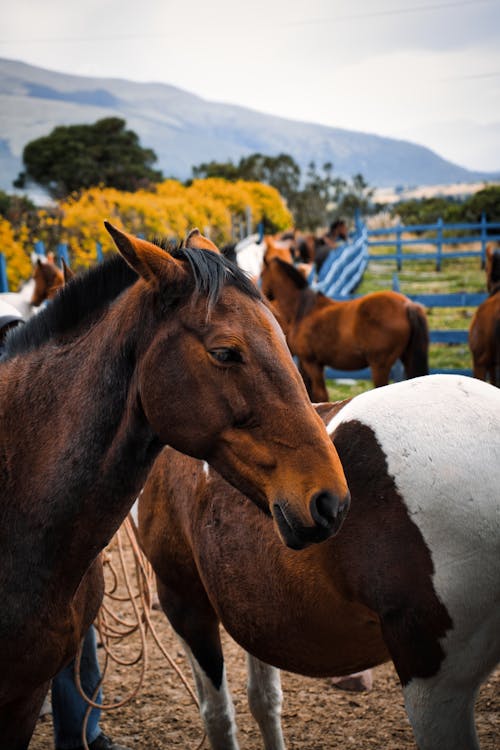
(169, 209)
(15, 249)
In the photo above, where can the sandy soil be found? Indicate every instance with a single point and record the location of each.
(315, 715)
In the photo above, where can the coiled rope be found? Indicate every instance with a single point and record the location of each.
(134, 590)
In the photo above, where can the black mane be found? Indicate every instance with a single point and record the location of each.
(296, 276)
(87, 294)
(84, 295)
(212, 271)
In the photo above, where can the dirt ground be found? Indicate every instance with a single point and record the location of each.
(315, 715)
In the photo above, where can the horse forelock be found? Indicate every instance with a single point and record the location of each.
(210, 272)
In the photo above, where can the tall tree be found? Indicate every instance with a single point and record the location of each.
(75, 157)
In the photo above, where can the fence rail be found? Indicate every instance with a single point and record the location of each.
(344, 267)
(480, 232)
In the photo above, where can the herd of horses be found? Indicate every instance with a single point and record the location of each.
(325, 538)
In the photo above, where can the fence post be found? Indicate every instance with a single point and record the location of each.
(4, 282)
(98, 251)
(439, 243)
(39, 247)
(399, 248)
(484, 237)
(62, 253)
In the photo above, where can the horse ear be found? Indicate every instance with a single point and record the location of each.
(148, 260)
(67, 272)
(196, 240)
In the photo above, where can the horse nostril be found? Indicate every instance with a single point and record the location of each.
(325, 508)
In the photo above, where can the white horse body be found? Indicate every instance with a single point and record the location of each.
(440, 435)
(442, 443)
(250, 255)
(21, 300)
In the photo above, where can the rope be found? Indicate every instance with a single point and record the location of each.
(113, 628)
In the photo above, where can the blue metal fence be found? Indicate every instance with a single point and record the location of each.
(442, 235)
(344, 267)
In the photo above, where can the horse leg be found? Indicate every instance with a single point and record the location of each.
(315, 378)
(380, 373)
(440, 706)
(18, 719)
(441, 715)
(305, 378)
(265, 698)
(479, 371)
(197, 626)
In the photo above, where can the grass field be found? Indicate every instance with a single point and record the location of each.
(420, 277)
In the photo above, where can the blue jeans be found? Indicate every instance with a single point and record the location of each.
(68, 707)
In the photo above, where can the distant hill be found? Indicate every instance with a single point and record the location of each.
(184, 129)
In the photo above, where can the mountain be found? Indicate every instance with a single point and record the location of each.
(184, 129)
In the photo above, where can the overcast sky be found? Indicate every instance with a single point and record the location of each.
(423, 70)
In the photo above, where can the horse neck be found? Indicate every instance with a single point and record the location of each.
(287, 296)
(93, 448)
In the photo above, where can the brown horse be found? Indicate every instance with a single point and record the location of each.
(414, 576)
(484, 331)
(48, 279)
(310, 248)
(374, 330)
(172, 348)
(492, 265)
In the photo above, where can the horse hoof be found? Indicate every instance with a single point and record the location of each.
(359, 682)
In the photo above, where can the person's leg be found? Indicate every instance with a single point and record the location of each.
(68, 707)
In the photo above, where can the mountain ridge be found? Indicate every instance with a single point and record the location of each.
(184, 129)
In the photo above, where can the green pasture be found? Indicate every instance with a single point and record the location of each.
(421, 277)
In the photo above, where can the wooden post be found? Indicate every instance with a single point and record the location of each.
(484, 238)
(4, 282)
(439, 243)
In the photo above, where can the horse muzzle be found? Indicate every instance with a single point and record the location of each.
(327, 511)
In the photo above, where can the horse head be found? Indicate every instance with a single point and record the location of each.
(48, 279)
(216, 380)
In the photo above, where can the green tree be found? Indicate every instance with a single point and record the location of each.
(281, 171)
(75, 157)
(485, 201)
(314, 199)
(355, 197)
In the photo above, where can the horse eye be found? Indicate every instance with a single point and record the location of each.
(226, 355)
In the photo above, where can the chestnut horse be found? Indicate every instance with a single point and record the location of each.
(374, 330)
(414, 576)
(48, 279)
(176, 349)
(484, 331)
(492, 265)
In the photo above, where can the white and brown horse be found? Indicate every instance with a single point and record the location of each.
(414, 575)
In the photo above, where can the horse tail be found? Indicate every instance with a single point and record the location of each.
(416, 355)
